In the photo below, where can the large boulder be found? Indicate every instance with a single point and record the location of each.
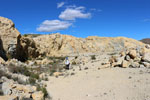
(146, 57)
(132, 54)
(12, 45)
(10, 37)
(38, 95)
(125, 64)
(29, 48)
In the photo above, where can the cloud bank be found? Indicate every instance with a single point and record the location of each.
(53, 25)
(66, 18)
(73, 13)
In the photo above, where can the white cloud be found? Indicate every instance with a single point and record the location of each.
(59, 5)
(73, 12)
(53, 25)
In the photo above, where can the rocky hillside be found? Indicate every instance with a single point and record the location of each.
(146, 40)
(58, 44)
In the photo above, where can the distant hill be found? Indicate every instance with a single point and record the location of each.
(146, 40)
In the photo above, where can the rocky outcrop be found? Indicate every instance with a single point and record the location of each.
(58, 44)
(2, 52)
(29, 48)
(10, 37)
(12, 45)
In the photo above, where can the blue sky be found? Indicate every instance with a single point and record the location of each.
(80, 18)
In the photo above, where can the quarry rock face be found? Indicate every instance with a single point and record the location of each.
(12, 45)
(29, 48)
(58, 44)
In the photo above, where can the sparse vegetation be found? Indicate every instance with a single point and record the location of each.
(93, 57)
(74, 63)
(32, 81)
(56, 58)
(76, 57)
(43, 89)
(31, 35)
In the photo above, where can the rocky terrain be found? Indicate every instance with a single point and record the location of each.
(32, 67)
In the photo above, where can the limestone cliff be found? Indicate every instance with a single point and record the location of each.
(58, 44)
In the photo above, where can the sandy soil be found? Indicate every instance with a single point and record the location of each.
(103, 84)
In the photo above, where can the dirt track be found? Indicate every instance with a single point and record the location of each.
(104, 84)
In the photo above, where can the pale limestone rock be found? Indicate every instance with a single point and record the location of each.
(122, 53)
(132, 54)
(146, 57)
(38, 96)
(9, 97)
(147, 46)
(10, 37)
(43, 76)
(2, 61)
(125, 64)
(119, 61)
(135, 65)
(56, 74)
(146, 64)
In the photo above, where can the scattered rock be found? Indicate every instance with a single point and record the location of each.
(130, 77)
(142, 66)
(125, 64)
(2, 61)
(147, 46)
(132, 54)
(38, 96)
(122, 53)
(127, 57)
(146, 57)
(43, 76)
(134, 65)
(86, 68)
(146, 64)
(9, 97)
(56, 74)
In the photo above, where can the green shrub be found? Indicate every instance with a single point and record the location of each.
(93, 57)
(76, 57)
(32, 80)
(54, 58)
(33, 75)
(74, 63)
(43, 89)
